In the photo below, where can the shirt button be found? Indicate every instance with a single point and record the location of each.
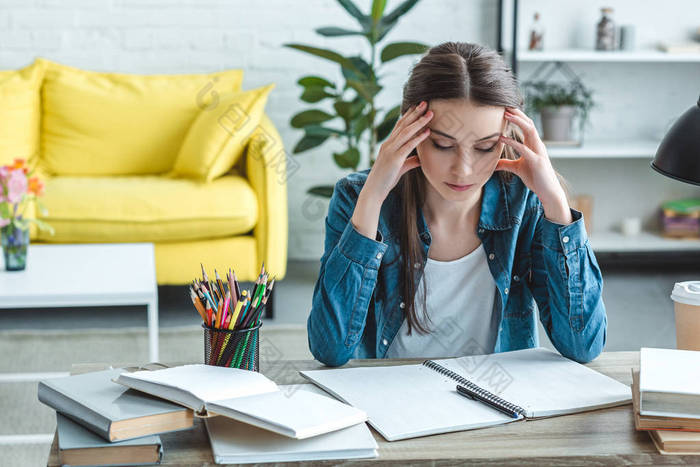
(506, 291)
(516, 278)
(402, 305)
(379, 256)
(481, 230)
(492, 256)
(565, 239)
(416, 265)
(385, 342)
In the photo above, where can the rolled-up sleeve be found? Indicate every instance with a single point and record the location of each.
(346, 281)
(567, 285)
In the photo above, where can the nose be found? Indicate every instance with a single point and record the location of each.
(463, 165)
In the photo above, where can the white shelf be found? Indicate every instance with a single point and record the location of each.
(584, 55)
(602, 149)
(615, 242)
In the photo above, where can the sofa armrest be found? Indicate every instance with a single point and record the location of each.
(267, 172)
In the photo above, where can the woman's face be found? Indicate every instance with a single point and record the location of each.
(462, 150)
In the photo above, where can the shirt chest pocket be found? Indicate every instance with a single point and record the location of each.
(520, 300)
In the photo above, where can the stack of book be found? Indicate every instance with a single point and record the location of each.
(115, 417)
(666, 399)
(101, 422)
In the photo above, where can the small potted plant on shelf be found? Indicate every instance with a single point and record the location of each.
(18, 187)
(558, 105)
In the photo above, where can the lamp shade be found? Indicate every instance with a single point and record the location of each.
(678, 155)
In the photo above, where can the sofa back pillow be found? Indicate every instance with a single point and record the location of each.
(97, 123)
(20, 113)
(218, 136)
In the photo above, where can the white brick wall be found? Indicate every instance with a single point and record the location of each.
(158, 36)
(154, 36)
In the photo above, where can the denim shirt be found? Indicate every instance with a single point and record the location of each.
(538, 265)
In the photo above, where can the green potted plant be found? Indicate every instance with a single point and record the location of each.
(558, 105)
(352, 102)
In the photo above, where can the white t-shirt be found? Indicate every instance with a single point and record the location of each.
(460, 305)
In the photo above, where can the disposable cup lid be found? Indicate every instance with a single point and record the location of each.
(687, 292)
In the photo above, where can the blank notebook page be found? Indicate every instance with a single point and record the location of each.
(300, 410)
(405, 401)
(669, 370)
(541, 381)
(207, 382)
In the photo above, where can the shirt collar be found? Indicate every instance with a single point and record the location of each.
(495, 210)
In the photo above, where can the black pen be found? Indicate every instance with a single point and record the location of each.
(473, 395)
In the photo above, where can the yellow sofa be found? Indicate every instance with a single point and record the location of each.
(105, 144)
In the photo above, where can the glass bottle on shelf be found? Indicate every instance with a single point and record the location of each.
(605, 31)
(536, 34)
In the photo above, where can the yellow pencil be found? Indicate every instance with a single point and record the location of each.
(239, 306)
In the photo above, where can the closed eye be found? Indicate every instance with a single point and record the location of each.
(445, 148)
(489, 149)
(441, 148)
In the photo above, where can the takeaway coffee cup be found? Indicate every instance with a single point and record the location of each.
(686, 299)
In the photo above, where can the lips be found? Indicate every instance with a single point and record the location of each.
(458, 187)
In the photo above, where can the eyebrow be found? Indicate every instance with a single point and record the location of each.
(452, 137)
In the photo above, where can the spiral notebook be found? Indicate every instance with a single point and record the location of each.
(407, 401)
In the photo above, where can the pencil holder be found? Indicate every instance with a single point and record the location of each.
(232, 348)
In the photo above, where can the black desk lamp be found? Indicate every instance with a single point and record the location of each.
(678, 155)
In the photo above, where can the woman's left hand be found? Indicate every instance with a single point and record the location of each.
(535, 168)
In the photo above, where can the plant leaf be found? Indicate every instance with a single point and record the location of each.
(307, 142)
(360, 124)
(318, 130)
(43, 225)
(324, 53)
(347, 159)
(398, 12)
(390, 119)
(307, 81)
(309, 117)
(362, 70)
(313, 94)
(366, 89)
(325, 191)
(352, 9)
(378, 7)
(333, 31)
(398, 49)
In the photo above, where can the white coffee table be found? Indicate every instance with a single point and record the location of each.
(86, 275)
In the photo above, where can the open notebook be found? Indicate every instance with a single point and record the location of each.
(406, 401)
(247, 396)
(233, 442)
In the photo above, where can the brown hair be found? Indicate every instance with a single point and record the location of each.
(447, 71)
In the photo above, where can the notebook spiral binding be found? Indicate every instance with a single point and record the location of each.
(491, 397)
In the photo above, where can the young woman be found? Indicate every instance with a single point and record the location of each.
(449, 243)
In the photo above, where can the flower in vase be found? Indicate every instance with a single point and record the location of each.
(16, 186)
(36, 186)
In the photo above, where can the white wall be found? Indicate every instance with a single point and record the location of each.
(157, 36)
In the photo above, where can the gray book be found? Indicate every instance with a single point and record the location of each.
(111, 410)
(80, 446)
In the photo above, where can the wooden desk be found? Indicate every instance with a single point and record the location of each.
(600, 437)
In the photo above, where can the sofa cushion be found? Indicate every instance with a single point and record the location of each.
(217, 137)
(97, 123)
(147, 208)
(20, 113)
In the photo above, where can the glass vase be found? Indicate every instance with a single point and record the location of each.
(14, 247)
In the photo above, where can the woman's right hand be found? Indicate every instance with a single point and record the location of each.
(393, 159)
